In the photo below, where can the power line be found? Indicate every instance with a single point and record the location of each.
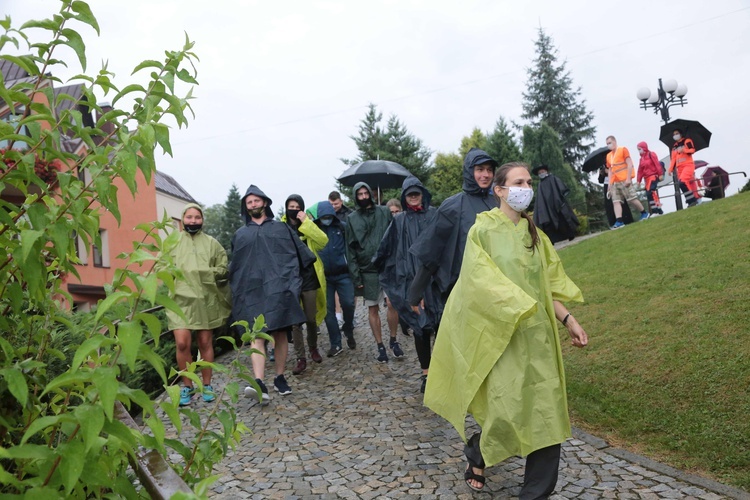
(456, 85)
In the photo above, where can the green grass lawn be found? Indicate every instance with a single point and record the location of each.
(667, 369)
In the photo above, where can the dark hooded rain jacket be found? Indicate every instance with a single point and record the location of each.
(397, 266)
(265, 271)
(441, 248)
(551, 210)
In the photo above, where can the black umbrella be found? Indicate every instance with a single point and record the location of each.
(378, 174)
(595, 159)
(690, 128)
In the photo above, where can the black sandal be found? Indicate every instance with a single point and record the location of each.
(469, 475)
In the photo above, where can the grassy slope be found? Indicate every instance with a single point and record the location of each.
(667, 370)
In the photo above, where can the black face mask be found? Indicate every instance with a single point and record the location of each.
(192, 228)
(291, 214)
(364, 203)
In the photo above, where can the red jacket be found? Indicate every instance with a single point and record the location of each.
(649, 164)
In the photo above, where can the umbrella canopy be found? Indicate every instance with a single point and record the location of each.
(690, 128)
(378, 174)
(712, 173)
(595, 159)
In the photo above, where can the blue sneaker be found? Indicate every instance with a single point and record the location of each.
(186, 395)
(644, 215)
(618, 225)
(208, 394)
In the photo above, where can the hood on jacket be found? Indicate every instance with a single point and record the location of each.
(411, 182)
(357, 187)
(322, 209)
(298, 199)
(643, 146)
(253, 189)
(189, 206)
(475, 157)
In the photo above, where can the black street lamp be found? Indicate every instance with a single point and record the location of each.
(667, 95)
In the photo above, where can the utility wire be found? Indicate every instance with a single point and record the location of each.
(456, 85)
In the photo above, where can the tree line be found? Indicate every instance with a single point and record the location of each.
(557, 131)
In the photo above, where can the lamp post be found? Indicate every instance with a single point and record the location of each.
(669, 94)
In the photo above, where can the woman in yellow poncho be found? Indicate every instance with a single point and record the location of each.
(497, 354)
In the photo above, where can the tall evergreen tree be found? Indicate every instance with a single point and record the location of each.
(541, 146)
(446, 178)
(222, 221)
(501, 145)
(551, 98)
(393, 143)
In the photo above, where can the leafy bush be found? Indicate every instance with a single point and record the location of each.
(60, 376)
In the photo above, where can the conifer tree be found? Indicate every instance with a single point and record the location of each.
(551, 98)
(501, 145)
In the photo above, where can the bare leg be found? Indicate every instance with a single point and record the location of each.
(635, 202)
(206, 349)
(375, 325)
(282, 347)
(182, 340)
(392, 317)
(618, 209)
(258, 359)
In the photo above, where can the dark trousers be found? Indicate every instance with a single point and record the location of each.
(422, 344)
(540, 476)
(343, 285)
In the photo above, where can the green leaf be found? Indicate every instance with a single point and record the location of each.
(88, 346)
(75, 42)
(91, 420)
(85, 15)
(107, 303)
(27, 452)
(105, 380)
(71, 466)
(65, 379)
(40, 424)
(129, 333)
(134, 87)
(28, 239)
(16, 384)
(146, 353)
(147, 64)
(162, 137)
(169, 304)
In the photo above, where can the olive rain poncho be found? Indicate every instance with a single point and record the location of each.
(497, 355)
(203, 294)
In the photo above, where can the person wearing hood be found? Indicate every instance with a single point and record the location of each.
(650, 171)
(313, 282)
(364, 230)
(682, 159)
(440, 250)
(201, 294)
(266, 279)
(398, 267)
(621, 189)
(551, 210)
(337, 278)
(497, 355)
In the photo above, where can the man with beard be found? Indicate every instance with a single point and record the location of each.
(440, 249)
(397, 266)
(265, 279)
(365, 228)
(551, 210)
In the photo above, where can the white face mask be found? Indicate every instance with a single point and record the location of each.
(677, 137)
(519, 198)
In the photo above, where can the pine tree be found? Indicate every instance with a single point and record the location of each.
(447, 177)
(501, 145)
(551, 98)
(222, 221)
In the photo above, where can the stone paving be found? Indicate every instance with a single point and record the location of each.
(355, 428)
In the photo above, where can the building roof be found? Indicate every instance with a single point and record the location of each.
(166, 184)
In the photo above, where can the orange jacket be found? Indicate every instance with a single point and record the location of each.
(682, 159)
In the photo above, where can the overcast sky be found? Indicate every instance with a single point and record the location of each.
(283, 85)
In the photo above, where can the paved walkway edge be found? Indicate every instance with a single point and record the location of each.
(647, 463)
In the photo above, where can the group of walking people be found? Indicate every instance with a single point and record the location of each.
(475, 275)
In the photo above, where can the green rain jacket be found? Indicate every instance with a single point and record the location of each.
(316, 240)
(497, 355)
(203, 295)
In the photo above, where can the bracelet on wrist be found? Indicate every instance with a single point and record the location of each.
(565, 319)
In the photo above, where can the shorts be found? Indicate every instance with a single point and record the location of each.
(621, 192)
(376, 302)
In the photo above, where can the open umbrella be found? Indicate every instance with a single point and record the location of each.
(716, 180)
(690, 128)
(378, 174)
(595, 159)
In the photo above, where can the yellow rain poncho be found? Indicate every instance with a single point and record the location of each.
(497, 354)
(203, 295)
